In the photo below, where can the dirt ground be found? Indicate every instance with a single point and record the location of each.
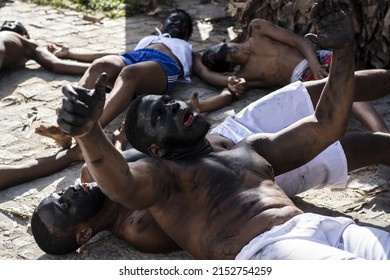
(30, 95)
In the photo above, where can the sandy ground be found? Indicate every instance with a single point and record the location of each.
(30, 95)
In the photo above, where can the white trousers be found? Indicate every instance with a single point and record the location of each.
(315, 237)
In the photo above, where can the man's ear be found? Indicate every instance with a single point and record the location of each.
(156, 151)
(84, 235)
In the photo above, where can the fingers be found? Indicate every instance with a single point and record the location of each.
(70, 92)
(101, 85)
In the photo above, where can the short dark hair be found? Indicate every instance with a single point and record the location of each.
(14, 26)
(214, 58)
(53, 240)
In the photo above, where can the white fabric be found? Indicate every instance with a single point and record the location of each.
(315, 237)
(180, 48)
(276, 111)
(300, 69)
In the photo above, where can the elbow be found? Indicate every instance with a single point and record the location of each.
(334, 130)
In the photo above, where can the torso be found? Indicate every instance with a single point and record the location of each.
(218, 203)
(162, 48)
(271, 63)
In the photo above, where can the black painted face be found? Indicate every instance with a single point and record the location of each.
(74, 205)
(177, 25)
(171, 124)
(214, 57)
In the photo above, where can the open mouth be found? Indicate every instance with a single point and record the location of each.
(188, 118)
(85, 187)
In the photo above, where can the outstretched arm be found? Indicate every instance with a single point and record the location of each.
(54, 64)
(305, 139)
(210, 77)
(81, 55)
(128, 184)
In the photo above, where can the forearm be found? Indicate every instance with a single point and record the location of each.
(105, 163)
(86, 55)
(309, 53)
(214, 79)
(216, 102)
(54, 64)
(334, 106)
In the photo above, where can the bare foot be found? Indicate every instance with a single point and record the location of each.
(55, 133)
(119, 139)
(194, 102)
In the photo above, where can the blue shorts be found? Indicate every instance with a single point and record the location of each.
(172, 70)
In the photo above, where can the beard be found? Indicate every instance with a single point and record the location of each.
(190, 139)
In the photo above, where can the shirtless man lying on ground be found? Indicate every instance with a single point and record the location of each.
(16, 48)
(219, 204)
(269, 57)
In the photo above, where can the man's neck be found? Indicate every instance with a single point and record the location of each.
(201, 149)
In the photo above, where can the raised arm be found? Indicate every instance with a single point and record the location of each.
(305, 139)
(129, 184)
(304, 46)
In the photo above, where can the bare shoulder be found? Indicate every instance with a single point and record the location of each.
(261, 25)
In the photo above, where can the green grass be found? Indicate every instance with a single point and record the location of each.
(109, 8)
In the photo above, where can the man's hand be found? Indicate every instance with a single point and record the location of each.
(333, 25)
(81, 108)
(236, 85)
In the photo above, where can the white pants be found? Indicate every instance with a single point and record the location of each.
(273, 113)
(315, 237)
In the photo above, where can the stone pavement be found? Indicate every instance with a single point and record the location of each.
(30, 95)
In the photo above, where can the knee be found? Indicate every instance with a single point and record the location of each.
(100, 65)
(129, 73)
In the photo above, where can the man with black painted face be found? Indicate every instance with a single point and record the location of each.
(70, 218)
(226, 205)
(154, 67)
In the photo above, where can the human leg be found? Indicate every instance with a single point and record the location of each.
(11, 175)
(144, 77)
(366, 242)
(110, 64)
(366, 114)
(2, 51)
(366, 148)
(371, 84)
(304, 237)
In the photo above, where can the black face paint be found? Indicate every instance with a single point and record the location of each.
(70, 207)
(177, 26)
(214, 58)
